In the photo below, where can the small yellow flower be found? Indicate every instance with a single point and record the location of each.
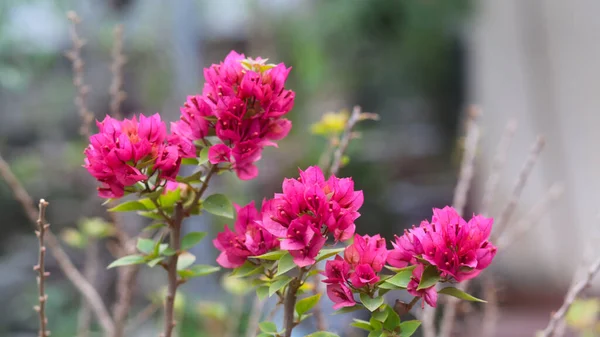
(332, 123)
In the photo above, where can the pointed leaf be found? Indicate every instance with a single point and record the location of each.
(346, 310)
(305, 304)
(152, 263)
(203, 156)
(408, 328)
(185, 260)
(322, 334)
(262, 292)
(155, 226)
(218, 204)
(268, 327)
(169, 198)
(272, 256)
(128, 260)
(191, 239)
(128, 206)
(402, 278)
(145, 246)
(278, 284)
(451, 291)
(189, 161)
(286, 263)
(327, 253)
(392, 320)
(198, 270)
(359, 323)
(430, 277)
(247, 269)
(371, 303)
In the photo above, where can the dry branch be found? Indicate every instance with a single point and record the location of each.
(41, 269)
(62, 259)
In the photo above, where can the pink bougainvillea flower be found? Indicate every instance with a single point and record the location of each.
(367, 250)
(247, 239)
(429, 295)
(458, 248)
(243, 102)
(341, 295)
(125, 152)
(363, 275)
(336, 270)
(309, 209)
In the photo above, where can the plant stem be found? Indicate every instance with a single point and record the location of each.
(289, 303)
(175, 243)
(40, 268)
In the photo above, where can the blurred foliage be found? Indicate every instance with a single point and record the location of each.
(583, 317)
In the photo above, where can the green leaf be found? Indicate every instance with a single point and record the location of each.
(408, 328)
(262, 292)
(264, 334)
(327, 253)
(278, 284)
(128, 260)
(268, 327)
(272, 256)
(198, 270)
(218, 204)
(168, 251)
(185, 260)
(155, 226)
(128, 206)
(145, 246)
(305, 304)
(247, 269)
(371, 303)
(377, 325)
(189, 161)
(203, 156)
(376, 333)
(359, 323)
(380, 315)
(286, 263)
(430, 277)
(322, 334)
(402, 278)
(451, 291)
(169, 198)
(392, 321)
(151, 214)
(346, 310)
(191, 239)
(154, 262)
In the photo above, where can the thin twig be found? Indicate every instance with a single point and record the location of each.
(468, 162)
(90, 271)
(74, 55)
(255, 315)
(41, 269)
(460, 200)
(507, 212)
(117, 96)
(289, 304)
(143, 316)
(62, 259)
(491, 311)
(345, 139)
(497, 166)
(531, 218)
(572, 294)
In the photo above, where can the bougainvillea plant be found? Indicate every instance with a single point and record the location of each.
(304, 234)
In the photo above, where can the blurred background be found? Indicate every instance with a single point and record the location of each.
(418, 64)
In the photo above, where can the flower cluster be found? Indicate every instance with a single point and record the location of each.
(359, 268)
(458, 249)
(126, 152)
(242, 102)
(247, 239)
(310, 208)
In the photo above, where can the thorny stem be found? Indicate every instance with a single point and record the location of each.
(175, 243)
(62, 259)
(41, 269)
(289, 303)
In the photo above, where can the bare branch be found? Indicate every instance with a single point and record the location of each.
(507, 212)
(468, 162)
(74, 55)
(62, 259)
(572, 294)
(117, 96)
(497, 165)
(41, 269)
